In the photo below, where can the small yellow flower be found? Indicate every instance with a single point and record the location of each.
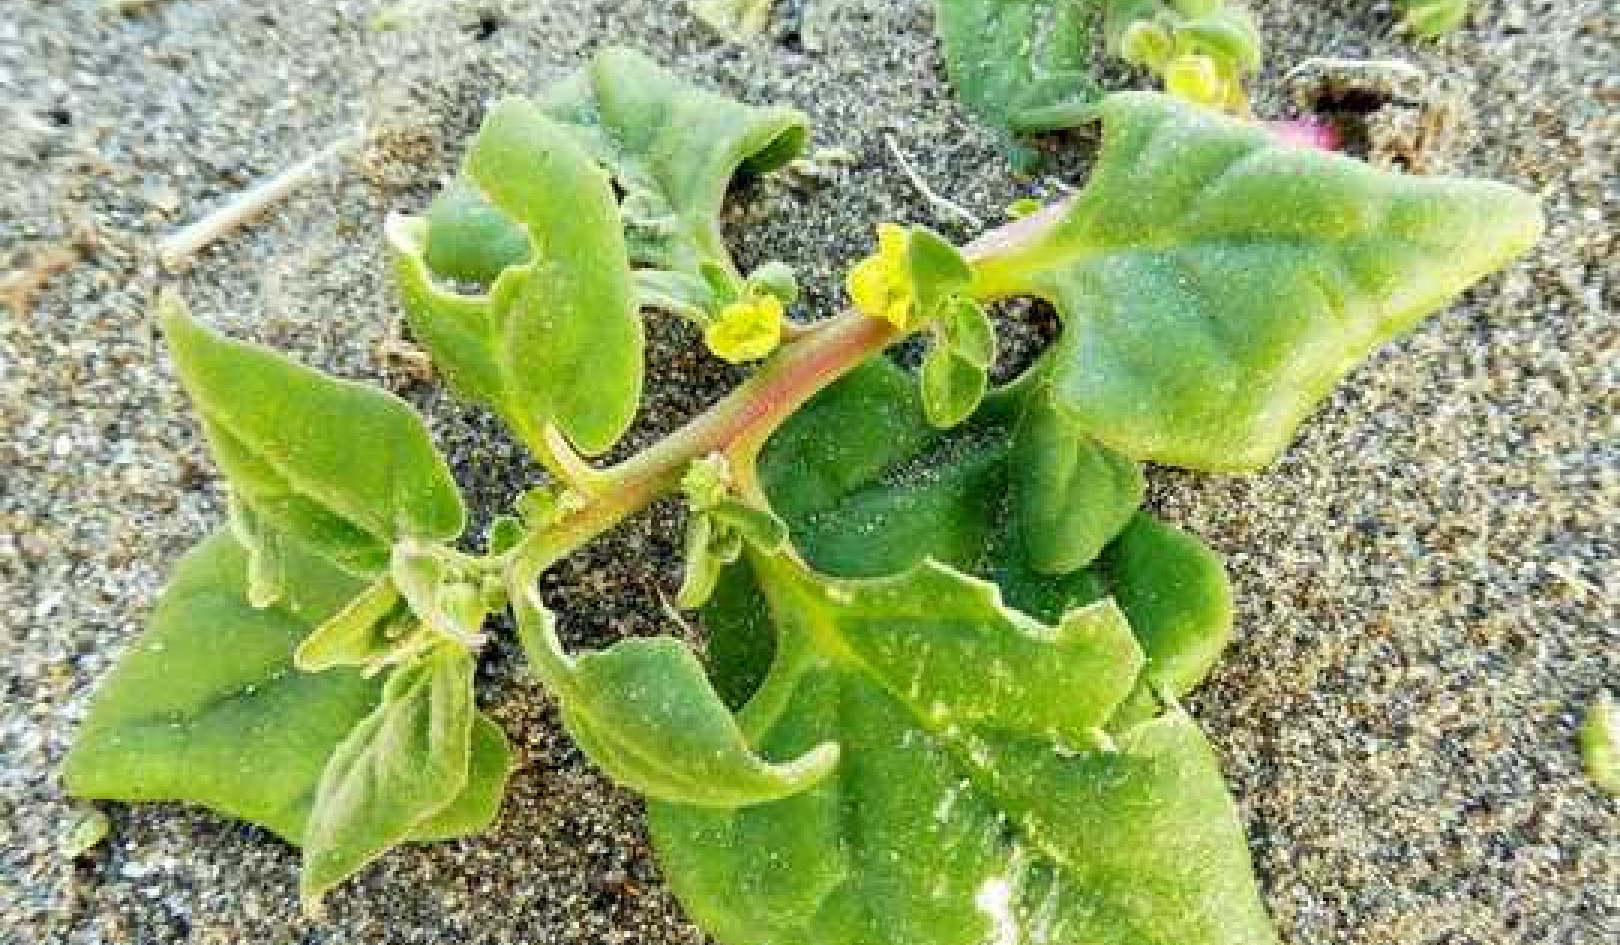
(747, 330)
(880, 284)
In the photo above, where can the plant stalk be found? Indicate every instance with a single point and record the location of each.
(737, 426)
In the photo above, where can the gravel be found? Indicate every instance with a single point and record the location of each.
(1426, 582)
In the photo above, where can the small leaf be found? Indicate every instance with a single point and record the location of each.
(85, 832)
(1600, 744)
(736, 20)
(938, 271)
(344, 468)
(574, 313)
(369, 634)
(401, 765)
(952, 386)
(1431, 18)
(442, 591)
(206, 707)
(1175, 592)
(1216, 283)
(970, 332)
(673, 149)
(1023, 66)
(1072, 495)
(644, 711)
(479, 803)
(468, 239)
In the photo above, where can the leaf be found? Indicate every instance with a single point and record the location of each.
(372, 632)
(644, 711)
(568, 311)
(344, 468)
(1431, 18)
(736, 20)
(469, 239)
(399, 767)
(1215, 282)
(673, 149)
(979, 799)
(1600, 744)
(478, 804)
(1022, 66)
(1175, 592)
(1072, 495)
(207, 708)
(952, 386)
(869, 489)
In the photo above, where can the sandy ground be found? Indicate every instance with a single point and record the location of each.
(1426, 582)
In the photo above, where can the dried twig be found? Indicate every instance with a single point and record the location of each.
(177, 247)
(928, 192)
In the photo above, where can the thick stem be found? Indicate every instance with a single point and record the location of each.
(737, 426)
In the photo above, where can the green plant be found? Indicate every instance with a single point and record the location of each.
(1430, 18)
(947, 644)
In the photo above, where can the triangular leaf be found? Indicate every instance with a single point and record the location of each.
(399, 767)
(1215, 282)
(341, 467)
(206, 707)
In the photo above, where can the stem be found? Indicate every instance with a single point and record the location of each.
(737, 426)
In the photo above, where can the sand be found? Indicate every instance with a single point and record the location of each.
(1425, 582)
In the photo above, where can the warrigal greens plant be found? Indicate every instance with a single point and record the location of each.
(947, 645)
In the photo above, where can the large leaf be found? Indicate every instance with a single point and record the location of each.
(341, 467)
(563, 308)
(1020, 65)
(645, 712)
(672, 149)
(1215, 282)
(396, 770)
(869, 489)
(206, 707)
(979, 799)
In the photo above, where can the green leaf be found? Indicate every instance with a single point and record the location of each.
(672, 149)
(376, 630)
(1175, 592)
(207, 708)
(736, 20)
(469, 239)
(1022, 66)
(1215, 283)
(980, 799)
(938, 271)
(869, 489)
(1430, 18)
(479, 803)
(1600, 744)
(399, 767)
(644, 711)
(1072, 495)
(341, 467)
(952, 386)
(568, 312)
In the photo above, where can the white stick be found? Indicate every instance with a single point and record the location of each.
(927, 191)
(179, 246)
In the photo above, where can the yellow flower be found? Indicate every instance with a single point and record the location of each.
(880, 284)
(747, 330)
